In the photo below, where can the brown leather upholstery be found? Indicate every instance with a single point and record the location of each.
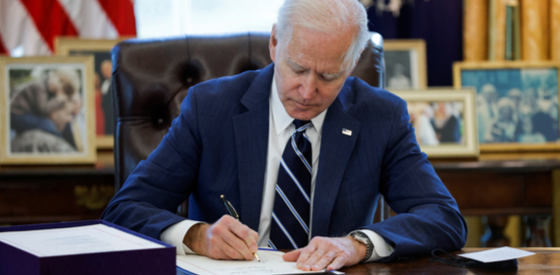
(151, 78)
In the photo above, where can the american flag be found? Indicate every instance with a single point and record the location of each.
(34, 24)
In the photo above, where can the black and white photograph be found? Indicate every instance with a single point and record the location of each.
(405, 64)
(46, 110)
(515, 105)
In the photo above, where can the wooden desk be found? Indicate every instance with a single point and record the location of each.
(41, 194)
(66, 193)
(546, 261)
(511, 187)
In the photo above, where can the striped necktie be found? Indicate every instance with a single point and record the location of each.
(290, 216)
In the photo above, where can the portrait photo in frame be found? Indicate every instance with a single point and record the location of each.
(405, 64)
(516, 103)
(444, 121)
(100, 49)
(47, 114)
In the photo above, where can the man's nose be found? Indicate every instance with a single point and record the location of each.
(309, 86)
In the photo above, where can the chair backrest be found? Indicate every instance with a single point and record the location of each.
(151, 79)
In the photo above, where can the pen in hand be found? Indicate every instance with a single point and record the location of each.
(234, 214)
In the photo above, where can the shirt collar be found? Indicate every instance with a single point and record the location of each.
(281, 118)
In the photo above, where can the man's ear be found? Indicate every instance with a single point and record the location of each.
(273, 43)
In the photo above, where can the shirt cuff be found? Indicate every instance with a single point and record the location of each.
(175, 234)
(381, 249)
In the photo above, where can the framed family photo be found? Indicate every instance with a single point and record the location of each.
(46, 110)
(405, 63)
(516, 103)
(444, 121)
(100, 49)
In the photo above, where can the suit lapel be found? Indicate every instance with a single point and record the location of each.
(251, 139)
(336, 148)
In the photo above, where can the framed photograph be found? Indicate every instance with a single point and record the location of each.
(100, 49)
(405, 64)
(46, 110)
(516, 103)
(444, 121)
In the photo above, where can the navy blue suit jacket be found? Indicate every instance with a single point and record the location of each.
(218, 145)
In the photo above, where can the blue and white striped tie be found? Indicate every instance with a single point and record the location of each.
(290, 216)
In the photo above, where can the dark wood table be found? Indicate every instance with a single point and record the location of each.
(546, 261)
(36, 194)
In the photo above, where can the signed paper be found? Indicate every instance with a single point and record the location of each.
(271, 263)
(75, 240)
(497, 254)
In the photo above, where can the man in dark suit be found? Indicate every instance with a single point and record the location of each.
(232, 137)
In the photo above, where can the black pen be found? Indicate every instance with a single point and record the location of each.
(234, 214)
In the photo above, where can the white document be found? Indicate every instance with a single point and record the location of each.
(497, 254)
(75, 240)
(271, 263)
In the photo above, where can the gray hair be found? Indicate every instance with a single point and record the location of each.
(70, 77)
(325, 16)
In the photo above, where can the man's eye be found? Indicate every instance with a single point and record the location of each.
(328, 78)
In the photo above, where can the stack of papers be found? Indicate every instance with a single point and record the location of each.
(271, 263)
(75, 240)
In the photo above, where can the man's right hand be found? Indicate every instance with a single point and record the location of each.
(226, 239)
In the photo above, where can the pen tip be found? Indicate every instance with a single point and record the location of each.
(222, 196)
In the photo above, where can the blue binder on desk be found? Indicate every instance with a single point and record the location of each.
(66, 248)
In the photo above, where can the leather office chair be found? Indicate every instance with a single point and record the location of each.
(151, 79)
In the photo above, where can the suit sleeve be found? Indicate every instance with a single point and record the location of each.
(150, 196)
(427, 215)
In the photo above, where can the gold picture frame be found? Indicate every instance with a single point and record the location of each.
(529, 89)
(405, 64)
(101, 50)
(47, 110)
(444, 121)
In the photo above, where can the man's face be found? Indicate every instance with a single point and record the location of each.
(309, 70)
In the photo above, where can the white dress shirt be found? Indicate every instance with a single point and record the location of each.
(280, 130)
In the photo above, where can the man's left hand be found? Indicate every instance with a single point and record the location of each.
(327, 253)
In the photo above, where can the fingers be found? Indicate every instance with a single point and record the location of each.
(230, 239)
(325, 253)
(291, 256)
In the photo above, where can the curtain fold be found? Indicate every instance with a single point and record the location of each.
(534, 30)
(475, 34)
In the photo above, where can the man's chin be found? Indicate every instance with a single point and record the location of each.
(303, 115)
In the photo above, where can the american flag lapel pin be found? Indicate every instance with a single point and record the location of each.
(346, 132)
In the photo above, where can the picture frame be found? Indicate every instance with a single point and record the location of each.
(46, 110)
(517, 103)
(405, 64)
(100, 49)
(444, 121)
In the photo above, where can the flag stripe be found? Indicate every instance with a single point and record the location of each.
(89, 18)
(50, 19)
(18, 29)
(2, 48)
(121, 14)
(34, 24)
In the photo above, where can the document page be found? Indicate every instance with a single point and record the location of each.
(271, 263)
(497, 254)
(75, 240)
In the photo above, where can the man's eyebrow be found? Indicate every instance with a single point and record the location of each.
(332, 75)
(295, 65)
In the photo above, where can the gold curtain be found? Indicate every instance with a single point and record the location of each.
(485, 23)
(534, 29)
(497, 29)
(555, 30)
(475, 34)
